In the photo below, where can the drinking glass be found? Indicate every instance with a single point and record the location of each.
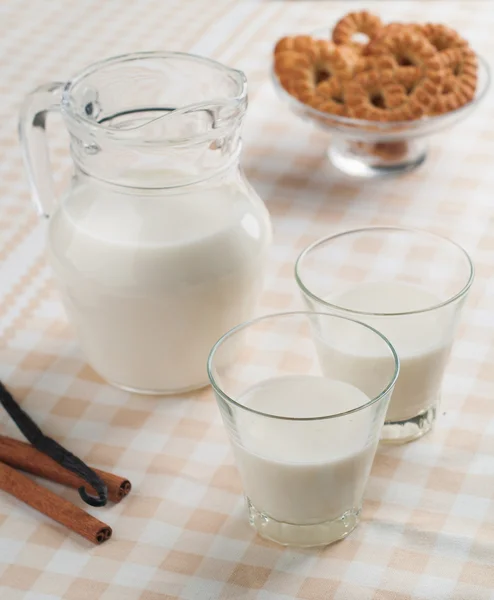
(304, 424)
(411, 286)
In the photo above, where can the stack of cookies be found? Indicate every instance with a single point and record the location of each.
(401, 72)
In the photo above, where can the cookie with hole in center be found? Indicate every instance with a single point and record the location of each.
(348, 28)
(460, 82)
(383, 96)
(329, 97)
(301, 71)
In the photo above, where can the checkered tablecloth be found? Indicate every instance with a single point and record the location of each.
(428, 519)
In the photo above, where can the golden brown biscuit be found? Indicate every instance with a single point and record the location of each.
(381, 96)
(460, 82)
(329, 97)
(354, 23)
(385, 62)
(442, 37)
(301, 71)
(390, 29)
(297, 43)
(406, 48)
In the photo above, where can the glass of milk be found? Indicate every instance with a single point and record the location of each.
(411, 286)
(159, 243)
(303, 440)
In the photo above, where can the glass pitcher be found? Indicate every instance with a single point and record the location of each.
(159, 244)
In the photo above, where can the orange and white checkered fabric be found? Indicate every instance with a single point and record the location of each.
(428, 519)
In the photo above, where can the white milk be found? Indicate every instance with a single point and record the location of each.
(422, 341)
(151, 283)
(304, 472)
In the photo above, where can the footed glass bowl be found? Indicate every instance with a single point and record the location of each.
(370, 149)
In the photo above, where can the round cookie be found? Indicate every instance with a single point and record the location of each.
(353, 23)
(300, 71)
(382, 96)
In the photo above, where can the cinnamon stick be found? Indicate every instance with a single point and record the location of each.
(54, 450)
(25, 457)
(60, 510)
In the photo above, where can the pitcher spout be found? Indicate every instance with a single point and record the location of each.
(129, 114)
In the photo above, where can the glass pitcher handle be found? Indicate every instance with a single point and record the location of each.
(32, 134)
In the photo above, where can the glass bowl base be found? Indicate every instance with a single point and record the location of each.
(303, 536)
(376, 159)
(402, 432)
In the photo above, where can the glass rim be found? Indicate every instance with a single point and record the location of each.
(216, 387)
(81, 119)
(320, 242)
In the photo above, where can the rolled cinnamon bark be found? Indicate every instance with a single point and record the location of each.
(60, 510)
(25, 457)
